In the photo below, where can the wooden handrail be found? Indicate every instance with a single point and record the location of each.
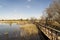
(54, 29)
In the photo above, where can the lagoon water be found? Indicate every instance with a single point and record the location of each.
(9, 32)
(13, 32)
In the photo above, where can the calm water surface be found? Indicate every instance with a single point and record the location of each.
(9, 32)
(13, 32)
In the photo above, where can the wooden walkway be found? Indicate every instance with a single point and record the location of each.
(51, 33)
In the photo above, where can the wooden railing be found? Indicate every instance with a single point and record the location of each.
(50, 32)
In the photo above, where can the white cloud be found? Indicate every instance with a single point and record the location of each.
(28, 6)
(29, 0)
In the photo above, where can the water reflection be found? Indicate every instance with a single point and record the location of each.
(9, 32)
(14, 32)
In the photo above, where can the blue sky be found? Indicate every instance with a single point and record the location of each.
(16, 9)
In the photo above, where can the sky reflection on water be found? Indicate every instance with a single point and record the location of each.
(13, 32)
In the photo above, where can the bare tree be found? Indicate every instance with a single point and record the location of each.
(33, 19)
(53, 11)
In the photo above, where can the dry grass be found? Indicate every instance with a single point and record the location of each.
(29, 32)
(29, 29)
(23, 22)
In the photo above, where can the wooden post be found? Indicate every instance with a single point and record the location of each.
(56, 35)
